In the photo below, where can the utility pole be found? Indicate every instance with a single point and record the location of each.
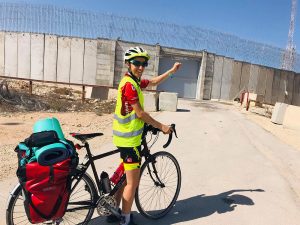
(288, 58)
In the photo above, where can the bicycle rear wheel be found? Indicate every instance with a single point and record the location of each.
(79, 211)
(159, 185)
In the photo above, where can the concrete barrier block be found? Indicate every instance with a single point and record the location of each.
(168, 101)
(292, 117)
(103, 93)
(97, 92)
(279, 113)
(150, 101)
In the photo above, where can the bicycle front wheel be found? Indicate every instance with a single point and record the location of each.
(80, 208)
(159, 186)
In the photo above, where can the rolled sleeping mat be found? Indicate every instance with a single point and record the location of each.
(47, 125)
(51, 154)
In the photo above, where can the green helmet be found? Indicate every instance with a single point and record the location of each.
(136, 52)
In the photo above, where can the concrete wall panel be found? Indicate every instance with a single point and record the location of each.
(269, 84)
(37, 56)
(105, 62)
(253, 79)
(296, 90)
(11, 55)
(209, 73)
(291, 80)
(50, 58)
(227, 78)
(261, 82)
(77, 53)
(236, 80)
(282, 87)
(90, 62)
(275, 86)
(245, 76)
(217, 79)
(2, 46)
(24, 55)
(286, 87)
(63, 59)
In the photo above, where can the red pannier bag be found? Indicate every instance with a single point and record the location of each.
(46, 190)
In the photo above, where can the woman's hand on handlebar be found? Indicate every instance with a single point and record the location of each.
(166, 129)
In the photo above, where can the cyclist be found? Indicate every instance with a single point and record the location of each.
(128, 123)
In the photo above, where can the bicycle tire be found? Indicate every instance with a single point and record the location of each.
(149, 191)
(16, 215)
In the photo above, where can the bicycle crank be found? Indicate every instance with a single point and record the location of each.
(104, 204)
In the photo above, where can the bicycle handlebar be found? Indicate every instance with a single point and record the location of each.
(171, 135)
(154, 130)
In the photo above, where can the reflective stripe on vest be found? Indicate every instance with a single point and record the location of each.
(128, 134)
(125, 120)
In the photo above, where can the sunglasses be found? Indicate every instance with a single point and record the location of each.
(138, 63)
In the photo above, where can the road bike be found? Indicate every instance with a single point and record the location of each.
(158, 190)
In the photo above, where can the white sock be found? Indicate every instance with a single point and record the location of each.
(127, 219)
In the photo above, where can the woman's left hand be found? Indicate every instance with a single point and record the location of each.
(175, 67)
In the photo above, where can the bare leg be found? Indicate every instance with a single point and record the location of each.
(132, 177)
(118, 195)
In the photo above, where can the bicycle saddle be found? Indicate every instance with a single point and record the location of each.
(84, 137)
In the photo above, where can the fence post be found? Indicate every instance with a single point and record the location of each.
(30, 87)
(83, 94)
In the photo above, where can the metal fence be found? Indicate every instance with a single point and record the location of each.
(48, 19)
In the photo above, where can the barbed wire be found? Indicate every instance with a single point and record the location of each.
(49, 19)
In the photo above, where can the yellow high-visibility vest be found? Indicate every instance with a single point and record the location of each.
(127, 130)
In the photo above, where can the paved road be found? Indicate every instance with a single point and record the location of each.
(233, 171)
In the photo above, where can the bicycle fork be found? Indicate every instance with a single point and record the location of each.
(156, 180)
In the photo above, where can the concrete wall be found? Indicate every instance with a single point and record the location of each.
(2, 46)
(11, 54)
(77, 54)
(275, 86)
(101, 62)
(50, 58)
(63, 59)
(269, 85)
(209, 74)
(261, 81)
(245, 76)
(217, 78)
(37, 56)
(296, 90)
(24, 54)
(227, 78)
(253, 78)
(90, 62)
(236, 80)
(106, 53)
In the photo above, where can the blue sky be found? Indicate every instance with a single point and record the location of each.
(265, 21)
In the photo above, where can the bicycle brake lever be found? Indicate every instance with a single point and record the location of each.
(174, 130)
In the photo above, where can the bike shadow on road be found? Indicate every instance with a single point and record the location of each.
(202, 206)
(197, 207)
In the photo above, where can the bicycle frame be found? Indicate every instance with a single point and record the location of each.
(145, 152)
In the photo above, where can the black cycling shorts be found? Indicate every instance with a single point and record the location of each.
(131, 157)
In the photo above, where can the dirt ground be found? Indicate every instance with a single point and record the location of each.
(16, 120)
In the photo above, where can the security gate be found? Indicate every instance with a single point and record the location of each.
(184, 82)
